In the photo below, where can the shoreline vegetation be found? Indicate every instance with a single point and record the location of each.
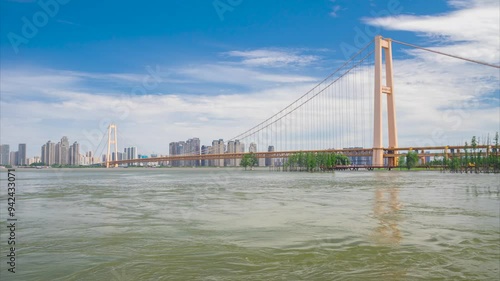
(470, 160)
(304, 162)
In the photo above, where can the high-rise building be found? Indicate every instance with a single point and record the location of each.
(270, 161)
(188, 150)
(171, 149)
(74, 154)
(218, 148)
(133, 152)
(205, 150)
(181, 150)
(89, 158)
(125, 154)
(48, 153)
(42, 154)
(21, 154)
(13, 158)
(130, 153)
(84, 161)
(176, 148)
(192, 148)
(51, 153)
(64, 151)
(4, 154)
(231, 148)
(239, 147)
(58, 153)
(234, 147)
(117, 157)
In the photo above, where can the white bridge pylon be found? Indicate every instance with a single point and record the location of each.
(112, 140)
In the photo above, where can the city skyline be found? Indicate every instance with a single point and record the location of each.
(62, 153)
(215, 83)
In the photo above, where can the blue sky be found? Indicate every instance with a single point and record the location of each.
(102, 34)
(89, 51)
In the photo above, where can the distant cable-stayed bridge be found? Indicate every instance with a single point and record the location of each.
(341, 114)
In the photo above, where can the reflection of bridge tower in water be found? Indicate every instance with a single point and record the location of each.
(386, 210)
(387, 88)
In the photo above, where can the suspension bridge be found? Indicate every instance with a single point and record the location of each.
(342, 114)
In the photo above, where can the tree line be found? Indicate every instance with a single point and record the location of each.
(319, 161)
(304, 161)
(469, 160)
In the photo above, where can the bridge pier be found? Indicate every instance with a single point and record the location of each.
(378, 157)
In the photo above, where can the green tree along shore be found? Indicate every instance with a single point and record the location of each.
(249, 160)
(304, 161)
(408, 160)
(310, 162)
(469, 160)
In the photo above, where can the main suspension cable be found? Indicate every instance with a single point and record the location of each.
(445, 54)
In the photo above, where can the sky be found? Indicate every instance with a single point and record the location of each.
(166, 71)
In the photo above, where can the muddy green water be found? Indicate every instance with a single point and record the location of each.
(224, 224)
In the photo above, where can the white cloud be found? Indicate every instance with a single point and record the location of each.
(471, 31)
(335, 11)
(221, 73)
(273, 58)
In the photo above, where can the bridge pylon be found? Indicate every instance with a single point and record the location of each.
(383, 46)
(112, 140)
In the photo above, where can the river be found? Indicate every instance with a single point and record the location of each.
(229, 224)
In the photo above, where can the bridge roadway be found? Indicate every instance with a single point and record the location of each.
(354, 152)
